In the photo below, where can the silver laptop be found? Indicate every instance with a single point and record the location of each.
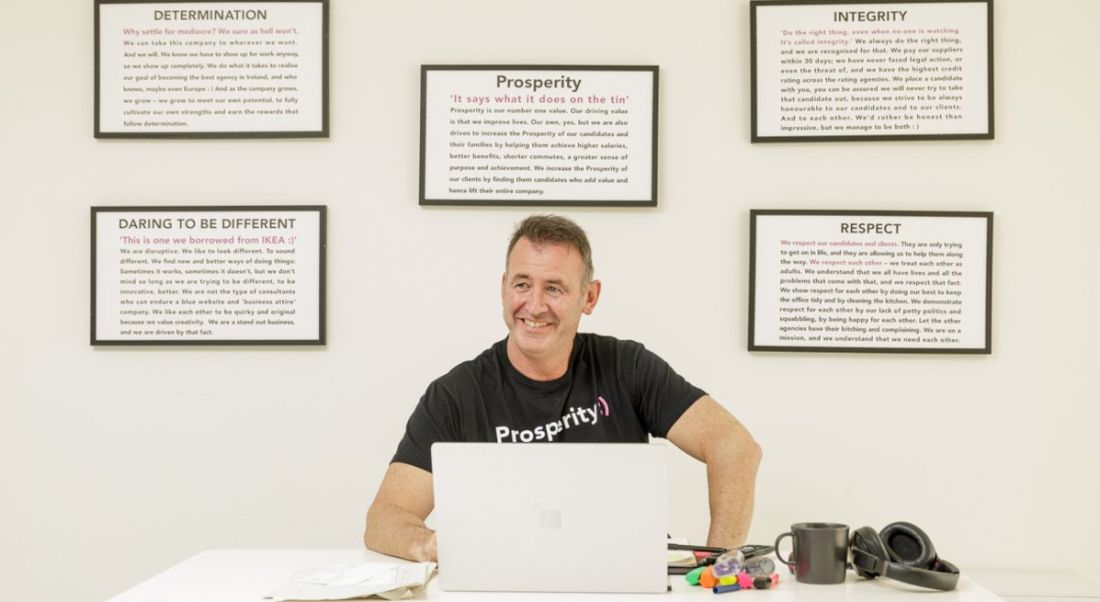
(558, 517)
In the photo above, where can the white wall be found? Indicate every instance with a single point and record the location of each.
(117, 463)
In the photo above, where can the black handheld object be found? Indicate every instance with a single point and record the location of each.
(755, 550)
(749, 550)
(901, 551)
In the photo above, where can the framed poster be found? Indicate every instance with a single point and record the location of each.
(538, 135)
(234, 275)
(870, 281)
(211, 69)
(874, 70)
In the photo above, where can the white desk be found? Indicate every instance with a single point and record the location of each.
(1039, 586)
(250, 575)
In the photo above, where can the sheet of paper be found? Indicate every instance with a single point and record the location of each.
(356, 580)
(680, 557)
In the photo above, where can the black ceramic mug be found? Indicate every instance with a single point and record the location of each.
(820, 552)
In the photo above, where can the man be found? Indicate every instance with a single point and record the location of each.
(546, 382)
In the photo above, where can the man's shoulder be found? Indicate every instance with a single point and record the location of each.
(602, 342)
(486, 362)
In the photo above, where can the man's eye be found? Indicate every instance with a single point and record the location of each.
(521, 285)
(553, 289)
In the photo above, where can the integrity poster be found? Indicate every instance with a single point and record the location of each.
(211, 69)
(914, 70)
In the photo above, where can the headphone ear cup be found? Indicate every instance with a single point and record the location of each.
(908, 545)
(866, 540)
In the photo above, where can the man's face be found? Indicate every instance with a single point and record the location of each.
(544, 295)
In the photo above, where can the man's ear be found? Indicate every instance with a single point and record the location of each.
(592, 296)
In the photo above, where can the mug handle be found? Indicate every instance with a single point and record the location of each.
(777, 554)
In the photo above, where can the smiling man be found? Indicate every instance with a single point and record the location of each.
(546, 382)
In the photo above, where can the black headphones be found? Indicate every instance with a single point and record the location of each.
(901, 551)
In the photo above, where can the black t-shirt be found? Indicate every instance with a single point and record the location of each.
(612, 392)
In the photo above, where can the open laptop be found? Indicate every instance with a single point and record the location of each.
(551, 517)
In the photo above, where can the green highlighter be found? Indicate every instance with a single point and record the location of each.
(693, 576)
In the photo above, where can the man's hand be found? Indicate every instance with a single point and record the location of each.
(425, 550)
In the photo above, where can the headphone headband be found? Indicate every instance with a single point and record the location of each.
(930, 578)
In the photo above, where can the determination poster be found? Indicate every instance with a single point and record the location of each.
(211, 69)
(208, 275)
(889, 281)
(538, 135)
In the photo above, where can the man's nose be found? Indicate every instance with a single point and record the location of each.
(536, 302)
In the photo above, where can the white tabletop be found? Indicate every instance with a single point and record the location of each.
(1039, 585)
(252, 575)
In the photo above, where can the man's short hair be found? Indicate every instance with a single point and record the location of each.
(554, 229)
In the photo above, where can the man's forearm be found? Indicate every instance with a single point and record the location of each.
(710, 434)
(731, 479)
(397, 532)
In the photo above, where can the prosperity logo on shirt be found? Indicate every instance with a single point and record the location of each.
(573, 417)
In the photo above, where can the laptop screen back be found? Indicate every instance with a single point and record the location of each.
(562, 517)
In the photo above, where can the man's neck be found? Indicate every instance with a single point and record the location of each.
(538, 368)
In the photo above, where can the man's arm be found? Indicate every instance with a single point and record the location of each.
(395, 521)
(710, 434)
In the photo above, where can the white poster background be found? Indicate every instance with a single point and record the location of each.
(821, 247)
(209, 278)
(191, 58)
(923, 21)
(443, 113)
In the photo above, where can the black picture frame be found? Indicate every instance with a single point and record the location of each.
(98, 248)
(430, 180)
(763, 316)
(850, 119)
(103, 131)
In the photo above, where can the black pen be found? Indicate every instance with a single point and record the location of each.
(691, 548)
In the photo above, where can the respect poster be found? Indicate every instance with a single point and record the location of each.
(885, 281)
